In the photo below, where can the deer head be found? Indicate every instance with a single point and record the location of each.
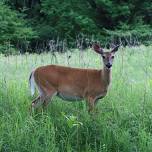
(107, 57)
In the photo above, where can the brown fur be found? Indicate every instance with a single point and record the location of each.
(89, 84)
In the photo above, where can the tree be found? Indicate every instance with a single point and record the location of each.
(13, 29)
(50, 19)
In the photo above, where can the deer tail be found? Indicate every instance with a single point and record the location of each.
(32, 83)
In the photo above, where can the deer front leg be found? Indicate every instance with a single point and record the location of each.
(91, 103)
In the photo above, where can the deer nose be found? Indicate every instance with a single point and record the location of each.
(108, 65)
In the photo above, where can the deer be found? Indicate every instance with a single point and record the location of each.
(73, 84)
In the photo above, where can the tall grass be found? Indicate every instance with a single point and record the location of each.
(123, 122)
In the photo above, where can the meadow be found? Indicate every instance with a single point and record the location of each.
(122, 123)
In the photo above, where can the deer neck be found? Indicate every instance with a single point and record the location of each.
(106, 76)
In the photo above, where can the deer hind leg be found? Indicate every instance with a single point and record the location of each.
(38, 101)
(50, 95)
(43, 98)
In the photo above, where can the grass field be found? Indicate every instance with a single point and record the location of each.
(123, 122)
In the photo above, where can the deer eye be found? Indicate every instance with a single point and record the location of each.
(112, 57)
(103, 57)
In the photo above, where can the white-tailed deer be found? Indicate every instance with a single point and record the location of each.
(73, 83)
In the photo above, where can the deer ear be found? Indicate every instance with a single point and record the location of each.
(97, 48)
(115, 49)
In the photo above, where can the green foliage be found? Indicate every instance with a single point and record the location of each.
(103, 19)
(126, 19)
(123, 121)
(72, 120)
(131, 34)
(65, 19)
(13, 28)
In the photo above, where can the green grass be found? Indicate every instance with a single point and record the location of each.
(123, 122)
